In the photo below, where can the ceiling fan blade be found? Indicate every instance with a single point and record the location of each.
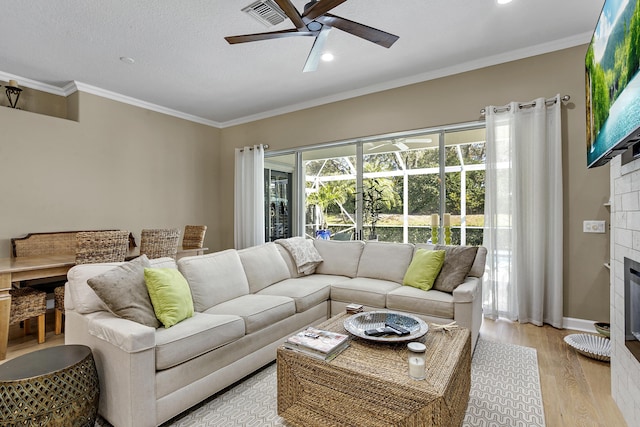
(371, 34)
(316, 50)
(320, 8)
(290, 10)
(267, 36)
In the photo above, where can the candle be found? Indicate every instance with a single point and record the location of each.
(447, 220)
(417, 361)
(416, 367)
(434, 220)
(13, 83)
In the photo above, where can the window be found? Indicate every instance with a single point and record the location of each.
(387, 187)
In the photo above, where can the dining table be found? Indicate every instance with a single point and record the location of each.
(15, 270)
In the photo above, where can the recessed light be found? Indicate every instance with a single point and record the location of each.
(327, 57)
(503, 1)
(127, 60)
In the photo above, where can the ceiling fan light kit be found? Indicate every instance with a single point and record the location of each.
(315, 22)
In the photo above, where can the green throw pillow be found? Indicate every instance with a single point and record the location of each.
(170, 295)
(424, 269)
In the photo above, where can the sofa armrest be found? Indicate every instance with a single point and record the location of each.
(467, 291)
(130, 337)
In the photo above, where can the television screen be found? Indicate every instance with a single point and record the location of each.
(612, 82)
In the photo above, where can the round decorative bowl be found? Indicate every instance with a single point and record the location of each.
(603, 328)
(360, 322)
(593, 346)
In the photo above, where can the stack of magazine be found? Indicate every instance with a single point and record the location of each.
(318, 343)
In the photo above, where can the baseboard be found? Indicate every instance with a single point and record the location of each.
(578, 324)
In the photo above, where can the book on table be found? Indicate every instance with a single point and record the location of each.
(318, 343)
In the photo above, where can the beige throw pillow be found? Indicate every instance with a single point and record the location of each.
(124, 291)
(457, 263)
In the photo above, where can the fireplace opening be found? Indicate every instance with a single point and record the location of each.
(632, 306)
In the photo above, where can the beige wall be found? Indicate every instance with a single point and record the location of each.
(125, 167)
(119, 166)
(458, 99)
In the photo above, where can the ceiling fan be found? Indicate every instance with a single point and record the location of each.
(401, 143)
(316, 22)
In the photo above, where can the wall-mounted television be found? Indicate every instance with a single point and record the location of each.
(613, 82)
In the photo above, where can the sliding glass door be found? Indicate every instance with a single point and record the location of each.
(396, 188)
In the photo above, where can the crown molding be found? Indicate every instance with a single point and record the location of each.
(32, 84)
(514, 55)
(489, 61)
(83, 87)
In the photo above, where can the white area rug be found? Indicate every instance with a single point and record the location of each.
(505, 391)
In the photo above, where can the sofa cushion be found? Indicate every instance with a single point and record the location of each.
(170, 295)
(124, 291)
(263, 266)
(340, 258)
(413, 300)
(164, 262)
(85, 300)
(424, 269)
(195, 336)
(362, 290)
(457, 263)
(307, 292)
(288, 259)
(214, 278)
(258, 311)
(386, 261)
(477, 269)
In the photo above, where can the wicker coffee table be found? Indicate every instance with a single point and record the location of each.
(368, 384)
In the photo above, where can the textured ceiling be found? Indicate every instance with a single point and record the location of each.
(184, 65)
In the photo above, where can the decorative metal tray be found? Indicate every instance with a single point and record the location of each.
(593, 346)
(360, 322)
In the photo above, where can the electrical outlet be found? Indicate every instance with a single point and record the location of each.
(593, 226)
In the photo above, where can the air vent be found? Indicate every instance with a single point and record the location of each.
(266, 11)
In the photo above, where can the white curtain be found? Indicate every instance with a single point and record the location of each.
(523, 213)
(249, 197)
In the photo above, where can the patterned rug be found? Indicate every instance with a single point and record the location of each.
(505, 391)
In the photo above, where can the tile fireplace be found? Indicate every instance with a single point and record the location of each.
(625, 288)
(632, 306)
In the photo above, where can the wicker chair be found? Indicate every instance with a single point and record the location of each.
(92, 247)
(193, 236)
(158, 243)
(27, 303)
(101, 246)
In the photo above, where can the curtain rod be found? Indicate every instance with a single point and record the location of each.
(264, 147)
(550, 101)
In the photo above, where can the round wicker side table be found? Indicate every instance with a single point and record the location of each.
(55, 386)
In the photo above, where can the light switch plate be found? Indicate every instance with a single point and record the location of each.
(593, 226)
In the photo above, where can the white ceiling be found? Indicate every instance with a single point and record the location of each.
(184, 66)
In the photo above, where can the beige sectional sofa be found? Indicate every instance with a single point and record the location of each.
(246, 303)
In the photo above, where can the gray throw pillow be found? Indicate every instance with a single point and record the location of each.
(124, 291)
(457, 263)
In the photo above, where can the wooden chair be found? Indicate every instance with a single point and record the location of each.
(92, 247)
(193, 236)
(159, 242)
(27, 303)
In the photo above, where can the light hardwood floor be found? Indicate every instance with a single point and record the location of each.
(576, 390)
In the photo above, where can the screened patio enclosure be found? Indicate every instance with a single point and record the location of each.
(387, 187)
